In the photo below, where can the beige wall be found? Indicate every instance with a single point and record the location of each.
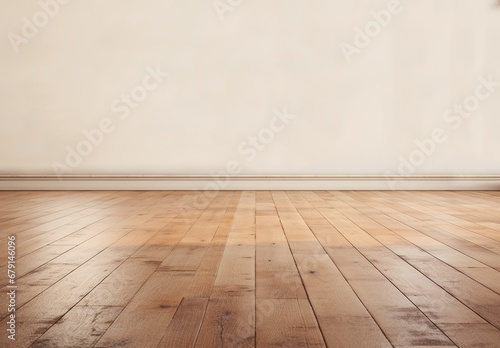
(232, 71)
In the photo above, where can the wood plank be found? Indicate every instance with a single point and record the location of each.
(145, 319)
(229, 322)
(206, 273)
(188, 253)
(276, 273)
(230, 316)
(118, 288)
(473, 335)
(287, 323)
(89, 322)
(185, 325)
(236, 274)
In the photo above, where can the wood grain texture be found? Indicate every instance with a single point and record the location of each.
(253, 268)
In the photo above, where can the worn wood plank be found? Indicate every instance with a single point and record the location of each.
(185, 325)
(230, 316)
(287, 323)
(145, 319)
(276, 273)
(82, 327)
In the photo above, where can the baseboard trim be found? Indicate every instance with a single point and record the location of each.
(248, 182)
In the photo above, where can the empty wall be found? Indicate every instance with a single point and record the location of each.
(252, 87)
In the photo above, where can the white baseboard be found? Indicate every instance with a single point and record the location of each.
(248, 182)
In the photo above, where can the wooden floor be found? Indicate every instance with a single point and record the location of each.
(253, 268)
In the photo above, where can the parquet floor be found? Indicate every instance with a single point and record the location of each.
(252, 268)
